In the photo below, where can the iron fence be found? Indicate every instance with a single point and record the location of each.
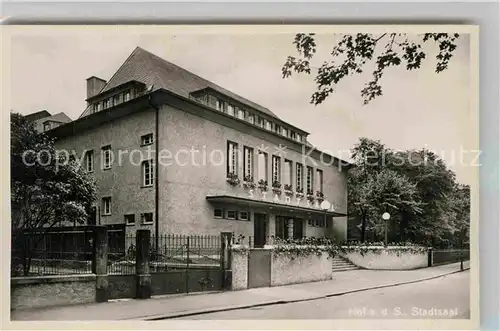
(166, 252)
(37, 253)
(121, 253)
(444, 256)
(169, 252)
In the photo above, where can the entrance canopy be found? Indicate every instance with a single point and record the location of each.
(271, 205)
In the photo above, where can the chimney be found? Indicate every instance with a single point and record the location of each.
(94, 86)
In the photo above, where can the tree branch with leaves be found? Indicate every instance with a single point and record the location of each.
(352, 53)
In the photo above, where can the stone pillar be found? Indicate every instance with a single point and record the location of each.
(289, 224)
(143, 276)
(271, 227)
(100, 263)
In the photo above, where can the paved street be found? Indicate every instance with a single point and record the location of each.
(443, 297)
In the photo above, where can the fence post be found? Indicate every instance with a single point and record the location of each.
(100, 263)
(142, 274)
(429, 257)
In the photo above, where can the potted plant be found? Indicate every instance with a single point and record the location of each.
(299, 192)
(320, 196)
(288, 190)
(248, 182)
(233, 179)
(310, 195)
(263, 185)
(277, 187)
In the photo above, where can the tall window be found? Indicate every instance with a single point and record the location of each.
(299, 176)
(299, 138)
(126, 96)
(147, 173)
(262, 165)
(280, 227)
(106, 206)
(319, 179)
(287, 180)
(248, 162)
(106, 157)
(293, 135)
(284, 132)
(309, 179)
(89, 161)
(105, 104)
(219, 105)
(232, 158)
(276, 168)
(230, 109)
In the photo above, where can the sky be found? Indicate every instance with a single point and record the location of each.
(48, 70)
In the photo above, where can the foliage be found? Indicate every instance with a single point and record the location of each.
(354, 53)
(233, 179)
(248, 182)
(263, 185)
(47, 188)
(294, 248)
(415, 186)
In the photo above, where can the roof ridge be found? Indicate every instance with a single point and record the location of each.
(207, 81)
(117, 70)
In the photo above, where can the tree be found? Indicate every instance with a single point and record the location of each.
(369, 157)
(47, 188)
(352, 54)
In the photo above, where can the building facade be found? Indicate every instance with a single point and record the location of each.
(174, 153)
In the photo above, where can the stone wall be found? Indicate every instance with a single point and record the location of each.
(239, 268)
(388, 258)
(283, 269)
(300, 269)
(45, 291)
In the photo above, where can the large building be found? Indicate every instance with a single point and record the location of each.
(175, 153)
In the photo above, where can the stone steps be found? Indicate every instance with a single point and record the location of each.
(339, 264)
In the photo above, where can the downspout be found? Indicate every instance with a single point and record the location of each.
(157, 182)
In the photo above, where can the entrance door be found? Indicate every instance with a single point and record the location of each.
(259, 230)
(298, 229)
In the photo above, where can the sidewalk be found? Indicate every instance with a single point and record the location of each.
(184, 305)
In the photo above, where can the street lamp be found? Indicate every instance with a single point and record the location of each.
(325, 205)
(386, 216)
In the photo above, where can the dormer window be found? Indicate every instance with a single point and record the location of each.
(219, 105)
(260, 121)
(46, 127)
(116, 100)
(277, 128)
(268, 125)
(251, 118)
(126, 96)
(241, 114)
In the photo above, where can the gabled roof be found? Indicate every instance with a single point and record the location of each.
(37, 115)
(152, 70)
(59, 117)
